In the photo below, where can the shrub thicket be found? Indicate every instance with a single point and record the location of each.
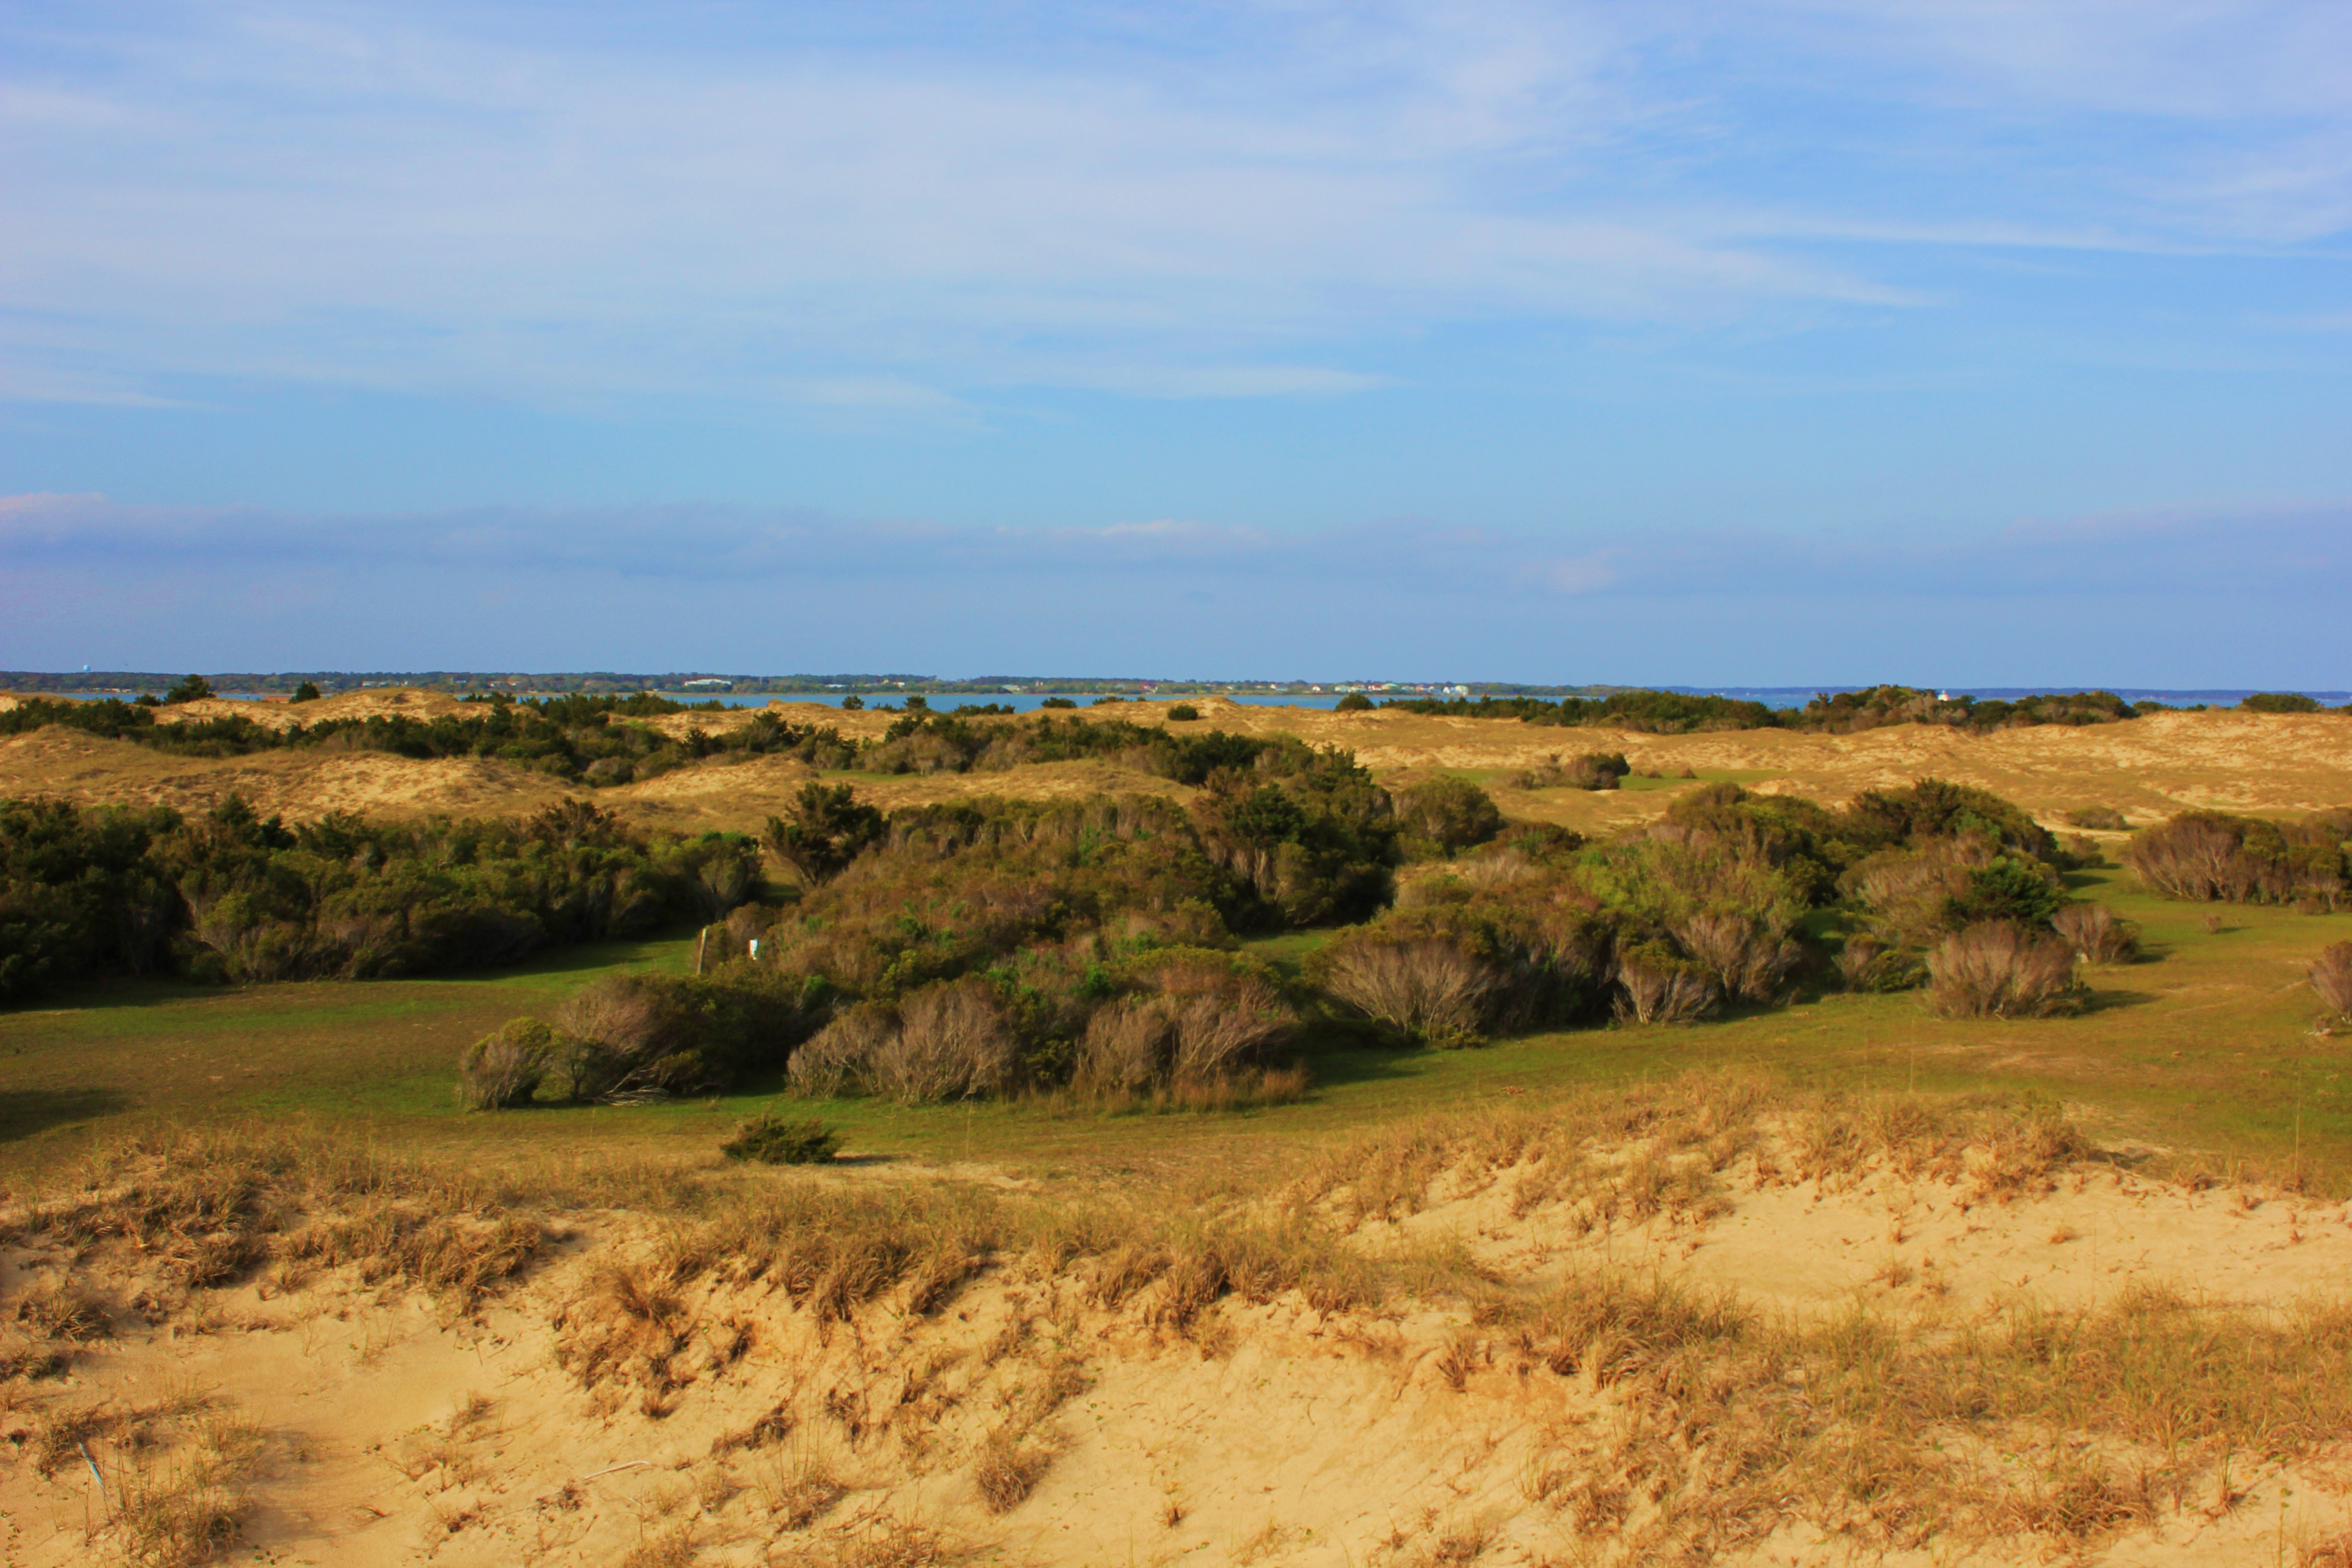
(1353, 702)
(2279, 702)
(233, 897)
(1182, 713)
(2209, 857)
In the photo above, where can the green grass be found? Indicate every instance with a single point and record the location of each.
(2204, 1049)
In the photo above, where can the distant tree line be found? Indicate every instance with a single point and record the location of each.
(1845, 712)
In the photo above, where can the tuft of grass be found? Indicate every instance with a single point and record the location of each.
(1007, 1470)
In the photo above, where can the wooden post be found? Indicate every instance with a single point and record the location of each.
(701, 943)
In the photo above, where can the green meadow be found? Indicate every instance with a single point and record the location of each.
(2201, 1055)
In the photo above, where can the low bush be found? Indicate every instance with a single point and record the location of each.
(1353, 702)
(2331, 978)
(638, 1036)
(2000, 969)
(1182, 713)
(767, 1141)
(2095, 934)
(1592, 771)
(2279, 702)
(948, 1041)
(1432, 991)
(1866, 963)
(503, 1070)
(2104, 818)
(1746, 959)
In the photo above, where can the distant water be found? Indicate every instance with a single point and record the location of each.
(1020, 702)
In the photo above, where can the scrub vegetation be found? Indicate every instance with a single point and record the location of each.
(877, 1183)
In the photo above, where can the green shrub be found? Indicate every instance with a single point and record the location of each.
(194, 689)
(306, 692)
(1353, 702)
(1058, 702)
(2279, 702)
(767, 1141)
(503, 1070)
(2102, 819)
(1182, 713)
(1445, 816)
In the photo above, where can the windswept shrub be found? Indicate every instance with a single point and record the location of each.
(2212, 857)
(2331, 978)
(1999, 969)
(1657, 985)
(1353, 702)
(2102, 819)
(1445, 816)
(2279, 702)
(2095, 934)
(1746, 958)
(1182, 713)
(503, 1070)
(948, 1041)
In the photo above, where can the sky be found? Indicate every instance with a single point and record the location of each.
(1949, 342)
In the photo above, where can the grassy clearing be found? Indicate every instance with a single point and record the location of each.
(2205, 1047)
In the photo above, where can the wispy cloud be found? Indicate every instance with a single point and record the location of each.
(1178, 201)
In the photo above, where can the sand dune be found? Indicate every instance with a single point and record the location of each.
(385, 1429)
(2149, 768)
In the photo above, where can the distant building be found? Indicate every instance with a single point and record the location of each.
(710, 682)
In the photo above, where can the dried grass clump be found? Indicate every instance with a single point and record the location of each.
(503, 1070)
(1997, 969)
(1007, 1471)
(209, 1207)
(2331, 977)
(2097, 935)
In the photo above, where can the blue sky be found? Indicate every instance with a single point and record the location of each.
(1967, 341)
